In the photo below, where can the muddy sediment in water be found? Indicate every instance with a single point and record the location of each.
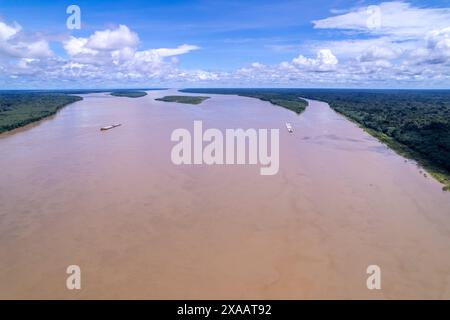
(140, 227)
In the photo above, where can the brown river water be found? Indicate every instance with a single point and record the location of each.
(140, 227)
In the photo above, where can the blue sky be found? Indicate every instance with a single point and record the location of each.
(225, 43)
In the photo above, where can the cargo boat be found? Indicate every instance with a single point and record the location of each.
(110, 127)
(289, 127)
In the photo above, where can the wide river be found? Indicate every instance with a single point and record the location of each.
(139, 226)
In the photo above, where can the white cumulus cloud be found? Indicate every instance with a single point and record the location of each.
(14, 43)
(113, 39)
(324, 61)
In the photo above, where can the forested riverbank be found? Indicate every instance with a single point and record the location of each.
(414, 123)
(21, 108)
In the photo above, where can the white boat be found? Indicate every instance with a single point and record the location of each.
(289, 127)
(110, 127)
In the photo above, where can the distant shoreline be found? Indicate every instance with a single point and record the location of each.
(287, 101)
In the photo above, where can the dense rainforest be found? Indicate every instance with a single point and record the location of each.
(21, 108)
(415, 123)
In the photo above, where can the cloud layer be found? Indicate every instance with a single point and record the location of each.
(391, 43)
(107, 57)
